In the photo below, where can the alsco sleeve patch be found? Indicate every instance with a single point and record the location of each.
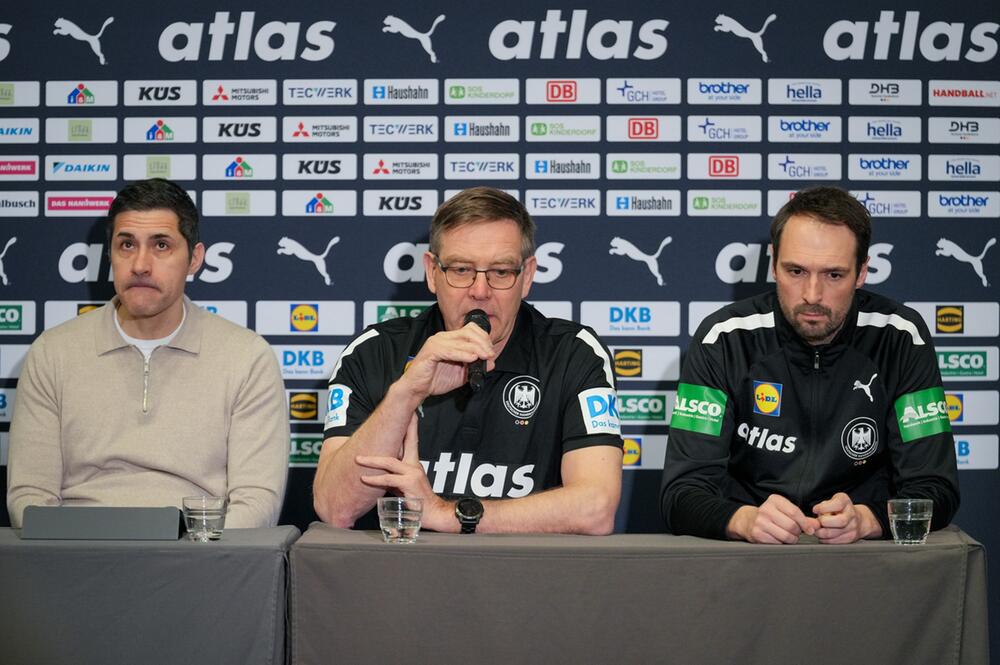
(699, 409)
(922, 413)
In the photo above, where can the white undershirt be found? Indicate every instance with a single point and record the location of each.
(147, 346)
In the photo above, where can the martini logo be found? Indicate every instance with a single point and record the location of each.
(80, 95)
(303, 405)
(319, 205)
(628, 362)
(922, 413)
(950, 318)
(11, 319)
(239, 168)
(159, 131)
(699, 409)
(962, 364)
(859, 439)
(767, 398)
(304, 317)
(632, 451)
(955, 403)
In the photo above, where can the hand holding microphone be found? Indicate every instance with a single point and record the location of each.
(477, 368)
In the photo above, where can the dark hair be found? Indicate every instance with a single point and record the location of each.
(157, 194)
(829, 205)
(482, 204)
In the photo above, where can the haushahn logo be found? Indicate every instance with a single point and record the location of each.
(304, 317)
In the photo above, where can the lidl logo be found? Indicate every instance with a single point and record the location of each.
(10, 317)
(319, 205)
(303, 405)
(950, 318)
(387, 312)
(80, 95)
(239, 168)
(628, 362)
(767, 398)
(632, 449)
(159, 131)
(304, 317)
(955, 403)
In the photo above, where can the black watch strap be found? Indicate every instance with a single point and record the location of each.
(469, 511)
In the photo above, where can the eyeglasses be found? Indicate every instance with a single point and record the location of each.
(462, 277)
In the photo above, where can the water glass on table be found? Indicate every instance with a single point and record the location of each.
(910, 520)
(204, 516)
(399, 518)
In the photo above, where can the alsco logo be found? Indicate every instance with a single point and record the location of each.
(304, 317)
(922, 413)
(699, 409)
(644, 407)
(962, 364)
(387, 312)
(10, 317)
(950, 318)
(767, 398)
(628, 362)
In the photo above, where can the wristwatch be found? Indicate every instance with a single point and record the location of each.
(469, 510)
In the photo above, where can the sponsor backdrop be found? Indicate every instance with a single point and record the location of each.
(652, 143)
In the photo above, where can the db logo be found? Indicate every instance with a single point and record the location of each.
(643, 128)
(723, 166)
(560, 91)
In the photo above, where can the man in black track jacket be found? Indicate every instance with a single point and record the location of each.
(805, 409)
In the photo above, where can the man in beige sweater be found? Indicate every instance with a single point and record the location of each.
(150, 398)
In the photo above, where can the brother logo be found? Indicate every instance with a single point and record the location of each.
(723, 88)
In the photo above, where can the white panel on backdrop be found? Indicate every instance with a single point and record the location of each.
(482, 128)
(159, 130)
(562, 166)
(644, 451)
(17, 317)
(231, 310)
(19, 168)
(19, 93)
(643, 202)
(236, 166)
(400, 202)
(985, 168)
(81, 94)
(889, 203)
(883, 129)
(632, 318)
(238, 203)
(723, 203)
(964, 130)
(307, 361)
(963, 93)
(562, 91)
(646, 363)
(644, 128)
(319, 166)
(398, 166)
(12, 360)
(81, 167)
(804, 91)
(803, 166)
(239, 129)
(973, 407)
(552, 128)
(884, 92)
(972, 204)
(81, 130)
(803, 129)
(563, 202)
(724, 91)
(7, 398)
(968, 363)
(319, 202)
(78, 203)
(960, 319)
(724, 128)
(18, 204)
(401, 91)
(172, 167)
(239, 92)
(976, 451)
(305, 317)
(20, 130)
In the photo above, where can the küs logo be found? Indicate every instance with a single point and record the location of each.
(604, 40)
(275, 40)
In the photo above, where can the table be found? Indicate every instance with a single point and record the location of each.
(634, 599)
(149, 602)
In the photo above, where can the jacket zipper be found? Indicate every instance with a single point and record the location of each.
(145, 385)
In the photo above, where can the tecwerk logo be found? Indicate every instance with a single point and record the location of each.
(275, 40)
(326, 92)
(471, 166)
(409, 129)
(606, 39)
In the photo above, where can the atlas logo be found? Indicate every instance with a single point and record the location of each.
(512, 39)
(949, 319)
(859, 438)
(628, 362)
(723, 166)
(150, 93)
(238, 168)
(160, 131)
(643, 128)
(521, 397)
(560, 91)
(739, 262)
(275, 40)
(80, 95)
(764, 439)
(304, 317)
(848, 40)
(482, 480)
(767, 398)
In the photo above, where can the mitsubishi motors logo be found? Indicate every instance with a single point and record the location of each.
(301, 131)
(380, 169)
(220, 95)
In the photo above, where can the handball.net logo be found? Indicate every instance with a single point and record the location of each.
(304, 317)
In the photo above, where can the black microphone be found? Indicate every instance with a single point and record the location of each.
(477, 368)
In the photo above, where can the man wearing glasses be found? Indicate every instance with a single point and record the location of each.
(536, 449)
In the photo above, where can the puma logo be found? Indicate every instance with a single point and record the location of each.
(70, 29)
(398, 26)
(622, 247)
(724, 23)
(3, 275)
(289, 247)
(867, 387)
(946, 247)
